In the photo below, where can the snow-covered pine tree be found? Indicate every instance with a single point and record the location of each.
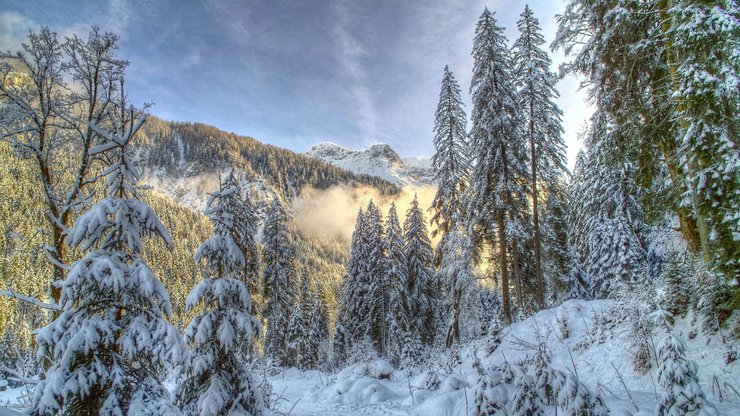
(375, 280)
(536, 97)
(704, 39)
(111, 345)
(507, 373)
(575, 399)
(348, 329)
(217, 380)
(527, 401)
(454, 277)
(318, 332)
(452, 358)
(412, 353)
(399, 296)
(298, 326)
(494, 335)
(244, 230)
(682, 393)
(419, 257)
(278, 281)
(491, 397)
(543, 375)
(451, 161)
(606, 222)
(500, 175)
(556, 255)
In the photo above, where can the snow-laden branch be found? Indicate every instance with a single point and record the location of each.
(17, 376)
(31, 300)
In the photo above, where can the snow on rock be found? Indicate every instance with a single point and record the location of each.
(377, 160)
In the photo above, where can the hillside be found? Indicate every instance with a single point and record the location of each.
(184, 160)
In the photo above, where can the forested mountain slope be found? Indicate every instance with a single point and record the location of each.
(174, 151)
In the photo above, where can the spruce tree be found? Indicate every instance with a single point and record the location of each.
(707, 94)
(491, 397)
(318, 332)
(577, 400)
(244, 230)
(526, 400)
(500, 174)
(355, 304)
(454, 277)
(536, 95)
(374, 279)
(682, 394)
(418, 251)
(111, 345)
(399, 296)
(451, 160)
(298, 326)
(217, 380)
(278, 281)
(606, 223)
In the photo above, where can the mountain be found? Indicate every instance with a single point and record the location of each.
(378, 160)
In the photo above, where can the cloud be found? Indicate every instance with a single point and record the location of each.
(13, 30)
(333, 212)
(350, 53)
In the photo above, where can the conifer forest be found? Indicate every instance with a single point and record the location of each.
(560, 237)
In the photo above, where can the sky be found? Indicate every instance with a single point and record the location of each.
(296, 73)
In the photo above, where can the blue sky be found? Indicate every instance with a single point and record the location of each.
(294, 73)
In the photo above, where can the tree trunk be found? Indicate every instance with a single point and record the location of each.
(517, 275)
(453, 330)
(503, 267)
(535, 214)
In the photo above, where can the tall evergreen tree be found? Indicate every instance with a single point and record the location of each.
(664, 71)
(536, 95)
(705, 71)
(348, 329)
(374, 278)
(318, 331)
(500, 174)
(298, 326)
(606, 223)
(399, 296)
(454, 275)
(451, 160)
(278, 280)
(419, 257)
(111, 344)
(244, 231)
(218, 380)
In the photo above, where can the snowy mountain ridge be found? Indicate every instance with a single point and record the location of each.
(377, 160)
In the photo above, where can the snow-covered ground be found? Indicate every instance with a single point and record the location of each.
(600, 354)
(601, 357)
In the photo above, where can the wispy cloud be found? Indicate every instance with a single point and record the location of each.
(13, 29)
(350, 54)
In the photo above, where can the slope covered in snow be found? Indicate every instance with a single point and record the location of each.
(581, 339)
(377, 160)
